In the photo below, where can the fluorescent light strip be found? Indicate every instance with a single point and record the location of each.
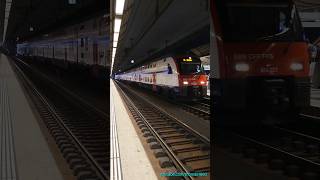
(119, 7)
(114, 50)
(115, 36)
(117, 24)
(115, 43)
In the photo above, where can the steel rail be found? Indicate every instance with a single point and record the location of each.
(178, 164)
(58, 119)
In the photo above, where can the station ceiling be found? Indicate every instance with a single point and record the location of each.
(46, 15)
(304, 5)
(154, 28)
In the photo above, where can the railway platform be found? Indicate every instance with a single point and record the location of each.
(128, 157)
(25, 152)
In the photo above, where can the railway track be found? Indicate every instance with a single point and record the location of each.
(206, 100)
(79, 129)
(177, 146)
(200, 109)
(295, 154)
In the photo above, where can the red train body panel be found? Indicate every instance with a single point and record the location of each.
(259, 56)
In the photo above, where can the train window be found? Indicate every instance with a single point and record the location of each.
(86, 43)
(101, 54)
(191, 68)
(81, 43)
(169, 69)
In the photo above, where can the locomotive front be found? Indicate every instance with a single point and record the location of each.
(263, 57)
(192, 77)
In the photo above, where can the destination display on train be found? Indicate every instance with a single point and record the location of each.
(189, 59)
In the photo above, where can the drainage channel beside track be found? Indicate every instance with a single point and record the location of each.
(79, 129)
(177, 146)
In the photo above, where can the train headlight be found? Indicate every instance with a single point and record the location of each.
(242, 67)
(202, 82)
(296, 66)
(185, 82)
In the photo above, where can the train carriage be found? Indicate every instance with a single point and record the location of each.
(84, 46)
(177, 76)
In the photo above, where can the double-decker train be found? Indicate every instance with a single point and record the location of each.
(82, 46)
(259, 56)
(177, 76)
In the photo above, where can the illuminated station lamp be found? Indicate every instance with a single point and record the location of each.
(117, 25)
(72, 1)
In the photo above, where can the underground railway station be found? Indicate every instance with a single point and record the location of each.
(265, 89)
(159, 95)
(147, 89)
(54, 105)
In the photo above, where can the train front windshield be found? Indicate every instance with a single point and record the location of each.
(259, 22)
(189, 66)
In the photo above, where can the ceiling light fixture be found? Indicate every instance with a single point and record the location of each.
(119, 7)
(115, 43)
(72, 1)
(117, 24)
(115, 36)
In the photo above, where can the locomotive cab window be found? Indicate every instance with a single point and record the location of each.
(190, 66)
(249, 21)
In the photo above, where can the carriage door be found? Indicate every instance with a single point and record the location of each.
(95, 53)
(154, 87)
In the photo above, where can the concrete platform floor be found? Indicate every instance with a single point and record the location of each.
(24, 149)
(133, 157)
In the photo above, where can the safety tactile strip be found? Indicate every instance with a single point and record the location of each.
(7, 152)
